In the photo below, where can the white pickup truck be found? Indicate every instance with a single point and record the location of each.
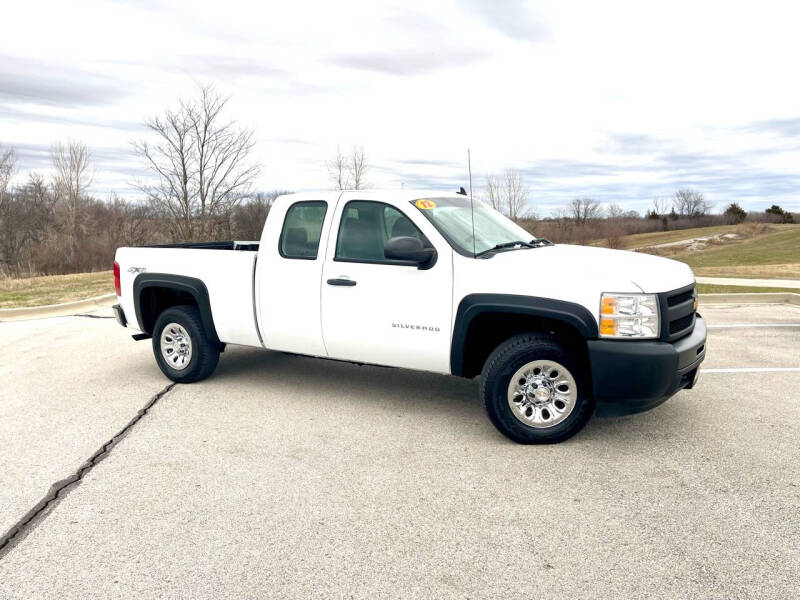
(422, 280)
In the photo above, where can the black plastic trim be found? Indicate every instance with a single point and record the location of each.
(681, 309)
(473, 305)
(119, 315)
(633, 376)
(343, 282)
(192, 286)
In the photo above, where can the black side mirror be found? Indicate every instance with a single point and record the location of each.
(409, 249)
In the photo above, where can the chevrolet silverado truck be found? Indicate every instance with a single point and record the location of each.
(428, 281)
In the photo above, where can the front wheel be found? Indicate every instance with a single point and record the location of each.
(182, 349)
(534, 391)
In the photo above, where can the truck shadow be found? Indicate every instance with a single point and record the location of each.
(422, 393)
(329, 379)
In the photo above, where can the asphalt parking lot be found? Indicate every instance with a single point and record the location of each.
(284, 476)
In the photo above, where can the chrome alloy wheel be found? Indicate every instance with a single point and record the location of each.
(176, 346)
(542, 393)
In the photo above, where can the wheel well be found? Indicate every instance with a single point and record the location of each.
(488, 330)
(155, 300)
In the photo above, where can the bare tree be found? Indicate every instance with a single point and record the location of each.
(494, 192)
(358, 167)
(508, 195)
(71, 180)
(25, 216)
(249, 216)
(614, 211)
(516, 193)
(8, 166)
(349, 172)
(8, 163)
(583, 210)
(660, 206)
(71, 162)
(127, 222)
(690, 203)
(202, 164)
(614, 231)
(337, 171)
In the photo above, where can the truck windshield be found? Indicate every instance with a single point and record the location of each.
(452, 217)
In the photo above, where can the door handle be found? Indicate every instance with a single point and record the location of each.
(340, 281)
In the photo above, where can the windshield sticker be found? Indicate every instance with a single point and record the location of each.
(425, 204)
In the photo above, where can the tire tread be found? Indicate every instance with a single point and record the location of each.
(507, 424)
(205, 351)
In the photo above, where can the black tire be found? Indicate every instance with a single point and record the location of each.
(504, 362)
(205, 354)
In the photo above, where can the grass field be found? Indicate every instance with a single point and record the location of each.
(54, 289)
(773, 255)
(779, 271)
(763, 251)
(641, 240)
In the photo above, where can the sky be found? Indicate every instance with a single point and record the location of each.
(621, 102)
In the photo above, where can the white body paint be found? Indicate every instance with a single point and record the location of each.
(395, 315)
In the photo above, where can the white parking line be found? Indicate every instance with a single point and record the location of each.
(754, 370)
(743, 325)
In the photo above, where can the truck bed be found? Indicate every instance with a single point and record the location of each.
(226, 269)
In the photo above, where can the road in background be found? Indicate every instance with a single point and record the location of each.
(284, 476)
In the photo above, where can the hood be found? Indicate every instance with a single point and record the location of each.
(650, 274)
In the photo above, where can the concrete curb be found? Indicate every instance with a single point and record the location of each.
(57, 310)
(751, 282)
(751, 298)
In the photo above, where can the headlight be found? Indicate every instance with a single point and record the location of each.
(629, 316)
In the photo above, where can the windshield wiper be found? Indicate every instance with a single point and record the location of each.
(508, 246)
(534, 243)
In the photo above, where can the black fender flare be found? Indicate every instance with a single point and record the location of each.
(472, 305)
(180, 283)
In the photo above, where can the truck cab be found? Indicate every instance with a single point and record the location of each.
(430, 281)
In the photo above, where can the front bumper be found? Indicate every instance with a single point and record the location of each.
(119, 315)
(633, 376)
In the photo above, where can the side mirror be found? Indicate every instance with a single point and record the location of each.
(410, 249)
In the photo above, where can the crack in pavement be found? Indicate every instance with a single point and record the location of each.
(92, 316)
(59, 490)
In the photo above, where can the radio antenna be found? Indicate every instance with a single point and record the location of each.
(471, 203)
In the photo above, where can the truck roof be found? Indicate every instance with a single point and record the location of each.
(392, 196)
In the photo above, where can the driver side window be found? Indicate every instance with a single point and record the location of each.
(365, 228)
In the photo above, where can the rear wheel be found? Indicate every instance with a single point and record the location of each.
(534, 391)
(182, 349)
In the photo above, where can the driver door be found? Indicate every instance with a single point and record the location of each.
(380, 311)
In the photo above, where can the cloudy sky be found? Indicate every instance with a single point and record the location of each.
(618, 101)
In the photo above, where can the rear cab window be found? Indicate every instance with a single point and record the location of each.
(302, 228)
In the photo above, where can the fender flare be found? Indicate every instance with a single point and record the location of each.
(180, 283)
(473, 305)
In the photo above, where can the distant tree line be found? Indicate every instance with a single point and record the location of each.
(201, 187)
(585, 220)
(53, 225)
